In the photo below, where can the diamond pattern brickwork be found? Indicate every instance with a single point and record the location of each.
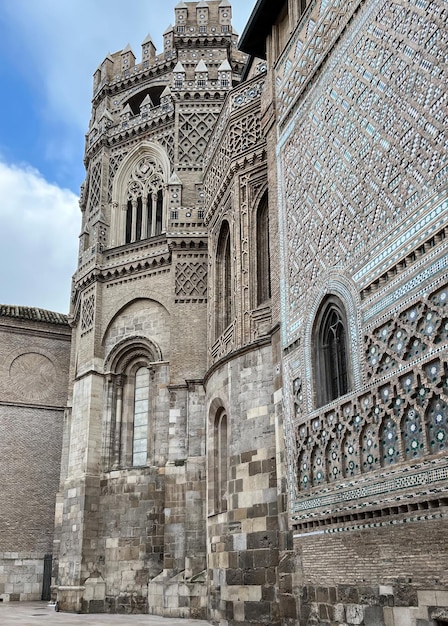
(244, 133)
(94, 186)
(191, 280)
(195, 127)
(87, 312)
(371, 136)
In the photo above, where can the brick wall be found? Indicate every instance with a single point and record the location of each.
(33, 390)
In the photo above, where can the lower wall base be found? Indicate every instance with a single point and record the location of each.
(21, 576)
(167, 597)
(176, 597)
(403, 605)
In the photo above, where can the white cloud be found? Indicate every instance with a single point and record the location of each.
(57, 45)
(40, 224)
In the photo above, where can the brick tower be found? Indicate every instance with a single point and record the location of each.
(130, 521)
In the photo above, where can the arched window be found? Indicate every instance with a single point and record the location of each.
(145, 203)
(223, 280)
(331, 369)
(263, 257)
(130, 395)
(139, 195)
(141, 415)
(220, 461)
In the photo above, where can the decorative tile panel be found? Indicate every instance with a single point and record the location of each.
(356, 158)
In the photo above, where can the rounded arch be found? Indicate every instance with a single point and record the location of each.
(339, 292)
(215, 405)
(218, 456)
(130, 350)
(125, 303)
(139, 211)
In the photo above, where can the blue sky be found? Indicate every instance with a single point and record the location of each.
(49, 50)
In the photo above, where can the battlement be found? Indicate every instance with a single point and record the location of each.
(196, 23)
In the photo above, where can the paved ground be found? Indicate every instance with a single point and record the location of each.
(35, 613)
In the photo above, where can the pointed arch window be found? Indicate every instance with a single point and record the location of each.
(139, 195)
(331, 355)
(145, 201)
(223, 280)
(263, 255)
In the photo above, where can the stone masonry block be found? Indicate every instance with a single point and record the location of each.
(355, 614)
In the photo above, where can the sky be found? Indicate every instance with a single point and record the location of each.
(49, 50)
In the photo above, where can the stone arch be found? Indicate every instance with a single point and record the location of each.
(156, 155)
(130, 348)
(132, 368)
(339, 286)
(217, 455)
(124, 303)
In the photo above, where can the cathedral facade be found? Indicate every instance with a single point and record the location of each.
(257, 418)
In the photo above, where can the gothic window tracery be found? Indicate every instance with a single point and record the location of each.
(139, 194)
(330, 352)
(145, 201)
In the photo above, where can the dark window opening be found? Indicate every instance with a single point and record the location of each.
(263, 256)
(330, 352)
(149, 210)
(159, 212)
(136, 100)
(129, 222)
(220, 462)
(223, 280)
(138, 225)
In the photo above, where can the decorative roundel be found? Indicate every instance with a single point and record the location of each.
(33, 376)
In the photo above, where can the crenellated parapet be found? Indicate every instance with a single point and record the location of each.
(171, 100)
